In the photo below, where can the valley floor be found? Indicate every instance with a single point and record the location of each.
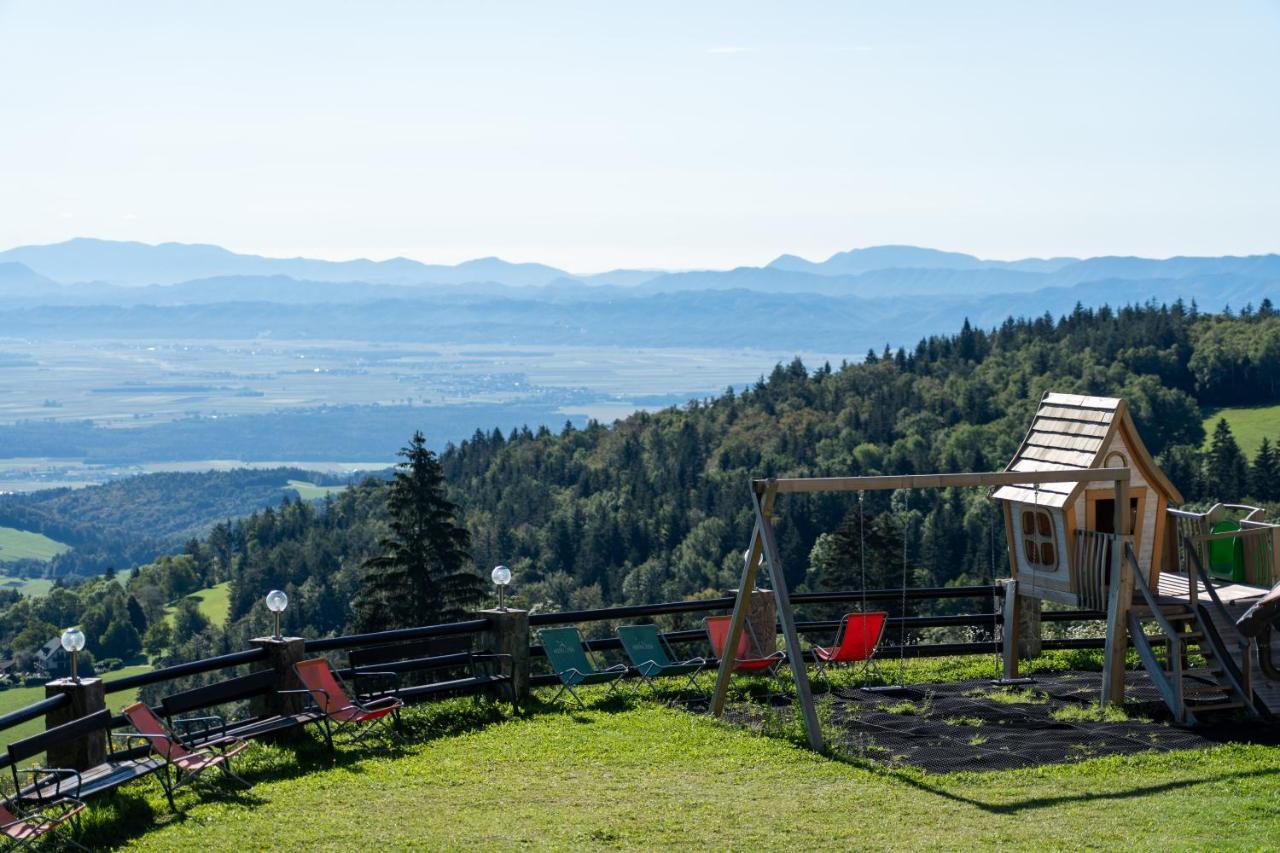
(635, 775)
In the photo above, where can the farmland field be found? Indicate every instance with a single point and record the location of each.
(1249, 426)
(25, 545)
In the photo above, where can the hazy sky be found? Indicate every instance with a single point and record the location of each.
(593, 135)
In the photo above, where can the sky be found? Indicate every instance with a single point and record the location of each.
(677, 135)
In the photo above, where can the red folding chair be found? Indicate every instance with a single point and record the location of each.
(339, 711)
(23, 830)
(750, 658)
(182, 764)
(856, 641)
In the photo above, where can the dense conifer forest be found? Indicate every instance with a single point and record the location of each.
(656, 506)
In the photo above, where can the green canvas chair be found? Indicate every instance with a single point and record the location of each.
(650, 654)
(568, 657)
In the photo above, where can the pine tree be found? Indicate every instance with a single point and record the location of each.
(1264, 475)
(420, 578)
(1226, 472)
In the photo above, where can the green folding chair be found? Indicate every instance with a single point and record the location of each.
(568, 657)
(651, 656)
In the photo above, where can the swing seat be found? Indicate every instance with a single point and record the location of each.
(856, 641)
(745, 660)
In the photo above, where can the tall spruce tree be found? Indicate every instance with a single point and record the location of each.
(421, 576)
(1264, 475)
(1226, 472)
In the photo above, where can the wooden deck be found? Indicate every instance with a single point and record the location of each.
(1174, 589)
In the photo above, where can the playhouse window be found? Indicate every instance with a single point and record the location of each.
(1038, 544)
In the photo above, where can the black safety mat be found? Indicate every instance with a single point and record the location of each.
(976, 725)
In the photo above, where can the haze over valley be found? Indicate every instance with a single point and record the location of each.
(127, 357)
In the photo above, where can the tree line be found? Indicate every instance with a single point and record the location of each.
(656, 506)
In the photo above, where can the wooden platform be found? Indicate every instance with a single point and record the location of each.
(1174, 589)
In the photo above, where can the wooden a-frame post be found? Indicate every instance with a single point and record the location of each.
(764, 542)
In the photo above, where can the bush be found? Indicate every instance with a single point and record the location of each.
(109, 664)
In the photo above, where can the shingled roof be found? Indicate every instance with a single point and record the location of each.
(1069, 432)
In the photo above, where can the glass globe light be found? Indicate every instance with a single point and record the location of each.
(277, 601)
(72, 640)
(501, 576)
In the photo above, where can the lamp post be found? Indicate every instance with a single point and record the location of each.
(72, 643)
(277, 601)
(501, 576)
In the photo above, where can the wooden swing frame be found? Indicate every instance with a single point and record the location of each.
(764, 544)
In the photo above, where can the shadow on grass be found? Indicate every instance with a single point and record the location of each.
(1031, 804)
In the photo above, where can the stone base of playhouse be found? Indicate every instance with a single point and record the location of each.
(974, 726)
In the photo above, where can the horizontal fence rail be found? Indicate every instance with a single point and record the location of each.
(397, 635)
(194, 667)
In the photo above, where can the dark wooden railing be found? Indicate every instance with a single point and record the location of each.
(899, 623)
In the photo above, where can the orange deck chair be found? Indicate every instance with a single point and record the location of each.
(182, 764)
(856, 641)
(339, 711)
(749, 657)
(28, 827)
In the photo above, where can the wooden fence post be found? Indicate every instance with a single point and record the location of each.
(282, 654)
(508, 634)
(87, 697)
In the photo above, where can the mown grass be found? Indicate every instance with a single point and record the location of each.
(1248, 425)
(214, 603)
(25, 545)
(637, 774)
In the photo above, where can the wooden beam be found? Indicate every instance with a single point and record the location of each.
(1009, 635)
(943, 481)
(782, 598)
(748, 583)
(1119, 599)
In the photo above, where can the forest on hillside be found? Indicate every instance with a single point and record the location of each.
(656, 506)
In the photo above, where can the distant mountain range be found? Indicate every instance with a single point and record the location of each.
(86, 271)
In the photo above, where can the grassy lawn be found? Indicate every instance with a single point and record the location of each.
(310, 491)
(24, 545)
(1249, 426)
(19, 697)
(214, 601)
(34, 587)
(633, 774)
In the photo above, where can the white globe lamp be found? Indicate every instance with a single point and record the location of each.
(501, 577)
(277, 601)
(72, 643)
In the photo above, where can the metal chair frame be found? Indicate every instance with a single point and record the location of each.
(386, 708)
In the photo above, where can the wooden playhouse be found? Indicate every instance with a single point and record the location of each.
(1059, 533)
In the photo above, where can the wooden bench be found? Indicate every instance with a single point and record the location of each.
(450, 661)
(51, 784)
(196, 730)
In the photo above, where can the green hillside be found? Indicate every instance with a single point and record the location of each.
(34, 587)
(310, 491)
(24, 545)
(214, 603)
(1249, 425)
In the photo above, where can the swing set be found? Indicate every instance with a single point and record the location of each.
(764, 548)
